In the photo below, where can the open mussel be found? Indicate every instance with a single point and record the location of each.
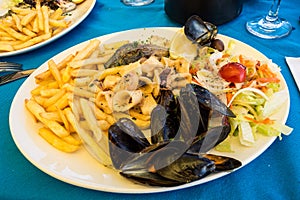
(173, 158)
(167, 164)
(202, 33)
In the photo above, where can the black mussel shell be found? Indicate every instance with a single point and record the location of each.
(125, 139)
(209, 100)
(223, 163)
(199, 31)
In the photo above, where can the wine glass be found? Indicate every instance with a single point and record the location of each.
(270, 26)
(136, 2)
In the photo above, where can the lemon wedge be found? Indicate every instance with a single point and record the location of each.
(181, 47)
(77, 1)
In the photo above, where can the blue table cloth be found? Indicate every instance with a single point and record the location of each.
(273, 175)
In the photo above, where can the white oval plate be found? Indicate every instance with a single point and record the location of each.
(83, 170)
(76, 17)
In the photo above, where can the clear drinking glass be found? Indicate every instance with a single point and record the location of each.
(137, 2)
(270, 26)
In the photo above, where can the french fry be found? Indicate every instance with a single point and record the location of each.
(34, 108)
(46, 19)
(88, 61)
(56, 141)
(83, 93)
(39, 15)
(90, 118)
(60, 103)
(6, 47)
(58, 30)
(28, 18)
(55, 72)
(55, 127)
(49, 92)
(49, 84)
(83, 72)
(56, 14)
(54, 98)
(35, 25)
(82, 81)
(3, 34)
(21, 11)
(14, 33)
(66, 75)
(28, 32)
(99, 152)
(58, 23)
(17, 22)
(33, 41)
(72, 140)
(40, 100)
(64, 119)
(88, 50)
(52, 116)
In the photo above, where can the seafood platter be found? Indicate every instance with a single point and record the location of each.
(150, 110)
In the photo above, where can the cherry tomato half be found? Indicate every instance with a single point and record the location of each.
(233, 72)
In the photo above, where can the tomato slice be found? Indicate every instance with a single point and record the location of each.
(233, 72)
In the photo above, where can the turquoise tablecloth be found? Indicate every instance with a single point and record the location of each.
(273, 175)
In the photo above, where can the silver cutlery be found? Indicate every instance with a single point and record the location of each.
(10, 67)
(15, 76)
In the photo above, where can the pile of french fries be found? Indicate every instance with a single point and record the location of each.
(56, 97)
(26, 27)
(63, 101)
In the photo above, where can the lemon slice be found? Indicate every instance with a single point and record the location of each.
(77, 1)
(182, 47)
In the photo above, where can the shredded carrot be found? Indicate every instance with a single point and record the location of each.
(229, 96)
(246, 62)
(264, 121)
(265, 71)
(268, 80)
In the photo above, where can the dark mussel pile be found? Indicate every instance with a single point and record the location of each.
(183, 128)
(180, 138)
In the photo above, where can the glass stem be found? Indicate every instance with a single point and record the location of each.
(273, 12)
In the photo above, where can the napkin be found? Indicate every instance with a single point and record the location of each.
(294, 65)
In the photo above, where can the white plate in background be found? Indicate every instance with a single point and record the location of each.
(76, 17)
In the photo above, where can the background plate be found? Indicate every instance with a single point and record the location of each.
(76, 17)
(83, 170)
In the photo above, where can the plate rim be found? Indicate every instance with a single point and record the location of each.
(52, 39)
(150, 189)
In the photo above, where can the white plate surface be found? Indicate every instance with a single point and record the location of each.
(83, 170)
(76, 17)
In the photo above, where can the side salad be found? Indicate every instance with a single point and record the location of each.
(251, 88)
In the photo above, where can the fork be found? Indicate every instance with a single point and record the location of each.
(10, 67)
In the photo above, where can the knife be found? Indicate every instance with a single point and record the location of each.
(15, 76)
